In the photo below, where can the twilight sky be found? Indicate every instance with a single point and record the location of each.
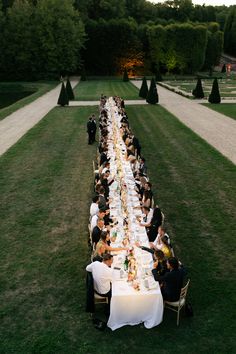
(207, 2)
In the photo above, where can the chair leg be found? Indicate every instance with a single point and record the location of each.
(178, 317)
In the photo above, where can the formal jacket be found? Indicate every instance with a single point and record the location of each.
(96, 233)
(172, 282)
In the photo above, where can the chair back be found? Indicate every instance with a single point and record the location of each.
(184, 290)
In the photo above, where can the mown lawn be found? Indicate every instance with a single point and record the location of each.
(229, 109)
(15, 95)
(91, 90)
(46, 187)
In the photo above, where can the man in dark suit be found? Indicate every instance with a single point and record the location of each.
(172, 281)
(90, 130)
(97, 230)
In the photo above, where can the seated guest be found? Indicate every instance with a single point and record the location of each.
(146, 201)
(106, 181)
(100, 215)
(94, 206)
(155, 224)
(160, 266)
(147, 187)
(143, 167)
(172, 281)
(96, 233)
(103, 247)
(102, 275)
(156, 244)
(103, 156)
(147, 216)
(102, 204)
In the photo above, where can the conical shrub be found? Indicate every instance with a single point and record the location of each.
(125, 76)
(144, 88)
(152, 96)
(69, 90)
(214, 96)
(223, 70)
(63, 98)
(198, 91)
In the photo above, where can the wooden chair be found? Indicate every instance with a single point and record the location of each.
(176, 306)
(100, 299)
(163, 218)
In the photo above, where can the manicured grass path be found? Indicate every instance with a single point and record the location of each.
(40, 89)
(92, 89)
(229, 109)
(46, 187)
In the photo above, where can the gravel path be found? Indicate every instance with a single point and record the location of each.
(13, 127)
(216, 128)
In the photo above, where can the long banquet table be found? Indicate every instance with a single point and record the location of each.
(136, 297)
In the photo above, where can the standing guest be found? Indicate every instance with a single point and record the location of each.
(172, 281)
(102, 275)
(94, 206)
(90, 130)
(94, 128)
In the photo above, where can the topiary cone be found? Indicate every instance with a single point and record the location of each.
(144, 88)
(69, 90)
(125, 76)
(214, 96)
(63, 98)
(152, 96)
(198, 91)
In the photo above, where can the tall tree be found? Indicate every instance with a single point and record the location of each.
(19, 40)
(230, 33)
(60, 35)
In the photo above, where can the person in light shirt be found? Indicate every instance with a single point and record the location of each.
(94, 206)
(147, 216)
(102, 275)
(100, 215)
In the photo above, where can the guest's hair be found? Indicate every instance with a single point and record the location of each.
(173, 262)
(107, 257)
(95, 199)
(146, 208)
(103, 235)
(165, 240)
(159, 255)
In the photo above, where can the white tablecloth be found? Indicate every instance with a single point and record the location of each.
(131, 307)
